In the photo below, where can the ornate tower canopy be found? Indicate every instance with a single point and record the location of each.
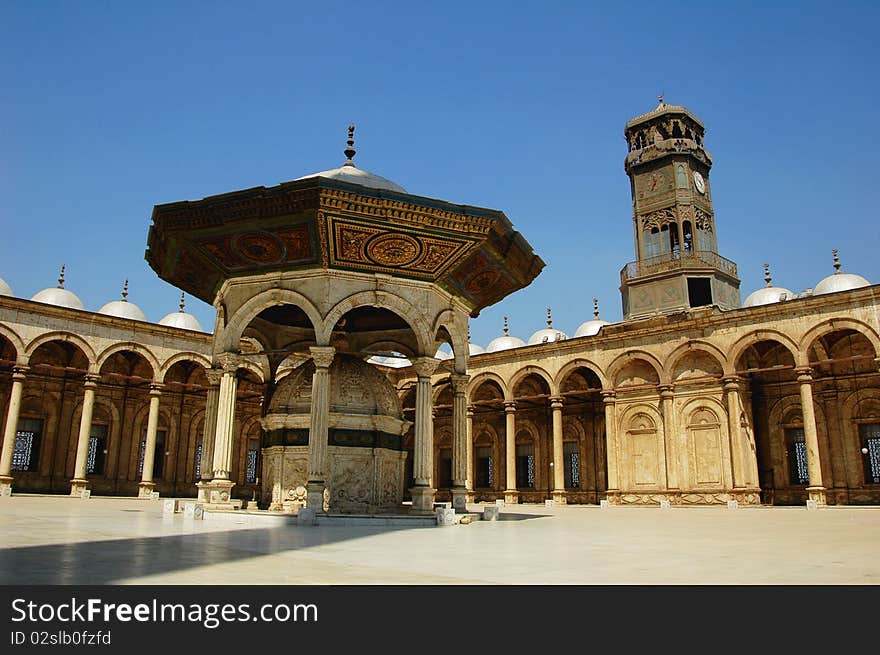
(337, 220)
(677, 264)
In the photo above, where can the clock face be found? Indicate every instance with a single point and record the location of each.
(699, 182)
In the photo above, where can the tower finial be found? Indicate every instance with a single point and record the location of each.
(595, 308)
(549, 319)
(767, 278)
(125, 291)
(836, 260)
(61, 278)
(182, 303)
(506, 330)
(350, 151)
(660, 99)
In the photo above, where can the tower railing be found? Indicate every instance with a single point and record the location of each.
(677, 259)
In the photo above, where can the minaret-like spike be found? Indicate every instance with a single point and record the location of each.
(836, 260)
(350, 151)
(506, 331)
(61, 278)
(125, 291)
(182, 303)
(660, 99)
(595, 308)
(549, 319)
(767, 277)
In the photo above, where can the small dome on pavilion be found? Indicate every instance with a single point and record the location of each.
(839, 281)
(181, 319)
(59, 296)
(348, 172)
(505, 341)
(547, 334)
(123, 308)
(591, 327)
(768, 294)
(5, 289)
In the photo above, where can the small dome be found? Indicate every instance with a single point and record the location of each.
(396, 361)
(59, 296)
(123, 308)
(592, 327)
(348, 172)
(768, 294)
(5, 289)
(442, 354)
(548, 333)
(839, 281)
(181, 319)
(504, 342)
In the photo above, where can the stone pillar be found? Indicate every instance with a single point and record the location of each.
(510, 493)
(319, 427)
(743, 459)
(558, 463)
(423, 493)
(146, 485)
(219, 489)
(670, 438)
(18, 376)
(460, 450)
(815, 489)
(469, 485)
(206, 467)
(79, 483)
(609, 399)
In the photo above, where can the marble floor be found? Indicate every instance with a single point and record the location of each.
(60, 540)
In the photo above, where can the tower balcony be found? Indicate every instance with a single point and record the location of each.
(678, 259)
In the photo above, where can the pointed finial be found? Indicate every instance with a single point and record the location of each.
(836, 260)
(767, 277)
(549, 319)
(506, 331)
(350, 151)
(61, 278)
(469, 333)
(595, 308)
(125, 291)
(182, 303)
(660, 99)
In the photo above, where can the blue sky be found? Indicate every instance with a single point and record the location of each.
(109, 108)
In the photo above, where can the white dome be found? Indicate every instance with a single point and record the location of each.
(5, 289)
(474, 349)
(123, 309)
(182, 320)
(840, 282)
(59, 298)
(590, 328)
(396, 361)
(378, 359)
(505, 342)
(442, 354)
(547, 335)
(768, 296)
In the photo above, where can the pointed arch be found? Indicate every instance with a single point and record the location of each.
(630, 356)
(575, 364)
(690, 346)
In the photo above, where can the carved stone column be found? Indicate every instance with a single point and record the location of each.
(79, 483)
(219, 489)
(469, 485)
(815, 489)
(670, 438)
(319, 427)
(511, 495)
(609, 399)
(460, 450)
(18, 376)
(423, 492)
(209, 431)
(558, 463)
(743, 458)
(146, 485)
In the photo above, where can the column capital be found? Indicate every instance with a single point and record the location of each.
(214, 375)
(459, 382)
(509, 406)
(156, 389)
(228, 362)
(20, 372)
(608, 395)
(424, 366)
(804, 373)
(556, 402)
(666, 390)
(731, 382)
(91, 380)
(470, 410)
(322, 355)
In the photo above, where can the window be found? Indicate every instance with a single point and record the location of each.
(699, 291)
(571, 465)
(26, 456)
(199, 460)
(97, 450)
(796, 449)
(869, 434)
(252, 452)
(525, 467)
(158, 454)
(485, 476)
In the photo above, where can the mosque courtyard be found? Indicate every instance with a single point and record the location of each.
(58, 540)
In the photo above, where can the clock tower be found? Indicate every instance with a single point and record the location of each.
(677, 266)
